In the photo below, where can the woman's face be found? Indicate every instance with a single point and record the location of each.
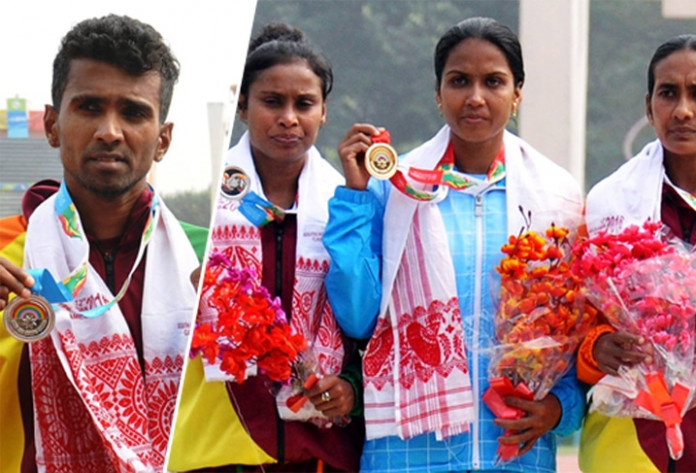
(284, 110)
(477, 92)
(671, 108)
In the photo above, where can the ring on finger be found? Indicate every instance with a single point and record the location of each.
(325, 396)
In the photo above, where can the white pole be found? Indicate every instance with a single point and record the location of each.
(554, 37)
(679, 9)
(217, 126)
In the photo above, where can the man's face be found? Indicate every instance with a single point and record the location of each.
(108, 130)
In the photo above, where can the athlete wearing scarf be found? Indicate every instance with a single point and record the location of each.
(416, 270)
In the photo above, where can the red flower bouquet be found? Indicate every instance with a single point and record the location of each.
(540, 321)
(251, 333)
(643, 282)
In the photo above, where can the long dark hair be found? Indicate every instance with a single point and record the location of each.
(678, 43)
(486, 29)
(279, 43)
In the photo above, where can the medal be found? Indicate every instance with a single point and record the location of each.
(235, 183)
(33, 318)
(29, 319)
(380, 160)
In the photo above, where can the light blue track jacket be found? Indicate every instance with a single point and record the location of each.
(353, 238)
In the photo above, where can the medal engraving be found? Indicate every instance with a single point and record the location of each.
(235, 183)
(381, 160)
(29, 319)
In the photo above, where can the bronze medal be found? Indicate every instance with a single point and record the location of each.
(381, 160)
(235, 183)
(29, 319)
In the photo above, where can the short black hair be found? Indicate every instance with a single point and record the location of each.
(678, 43)
(486, 29)
(279, 43)
(120, 41)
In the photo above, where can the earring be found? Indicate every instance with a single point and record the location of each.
(53, 140)
(514, 110)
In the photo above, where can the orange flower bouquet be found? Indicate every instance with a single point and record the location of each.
(540, 321)
(251, 333)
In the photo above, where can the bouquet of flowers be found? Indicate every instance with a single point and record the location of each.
(251, 333)
(643, 282)
(540, 321)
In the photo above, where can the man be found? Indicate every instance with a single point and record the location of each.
(98, 393)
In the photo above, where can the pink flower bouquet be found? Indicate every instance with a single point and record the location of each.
(645, 283)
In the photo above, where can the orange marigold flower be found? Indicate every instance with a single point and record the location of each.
(527, 305)
(555, 252)
(556, 233)
(539, 308)
(542, 298)
(539, 272)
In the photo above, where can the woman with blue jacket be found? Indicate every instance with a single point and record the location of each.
(411, 269)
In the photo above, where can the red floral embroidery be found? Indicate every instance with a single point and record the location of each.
(162, 403)
(426, 348)
(378, 362)
(132, 408)
(62, 420)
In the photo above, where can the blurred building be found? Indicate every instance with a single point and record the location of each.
(25, 156)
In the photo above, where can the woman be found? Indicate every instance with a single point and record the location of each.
(658, 184)
(241, 425)
(414, 276)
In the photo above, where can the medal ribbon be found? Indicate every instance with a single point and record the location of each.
(260, 211)
(70, 286)
(44, 285)
(443, 175)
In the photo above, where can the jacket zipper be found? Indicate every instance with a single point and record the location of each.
(478, 214)
(279, 293)
(108, 257)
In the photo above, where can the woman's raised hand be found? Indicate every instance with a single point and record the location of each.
(352, 152)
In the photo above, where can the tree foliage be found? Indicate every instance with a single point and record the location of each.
(623, 37)
(382, 56)
(382, 53)
(191, 206)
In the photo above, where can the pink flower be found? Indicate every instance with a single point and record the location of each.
(251, 327)
(643, 283)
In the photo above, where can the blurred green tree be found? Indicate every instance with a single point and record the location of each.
(382, 53)
(191, 206)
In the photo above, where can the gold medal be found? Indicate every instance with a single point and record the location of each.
(235, 183)
(381, 160)
(29, 319)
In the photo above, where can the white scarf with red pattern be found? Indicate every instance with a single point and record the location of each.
(93, 408)
(629, 196)
(236, 237)
(415, 366)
